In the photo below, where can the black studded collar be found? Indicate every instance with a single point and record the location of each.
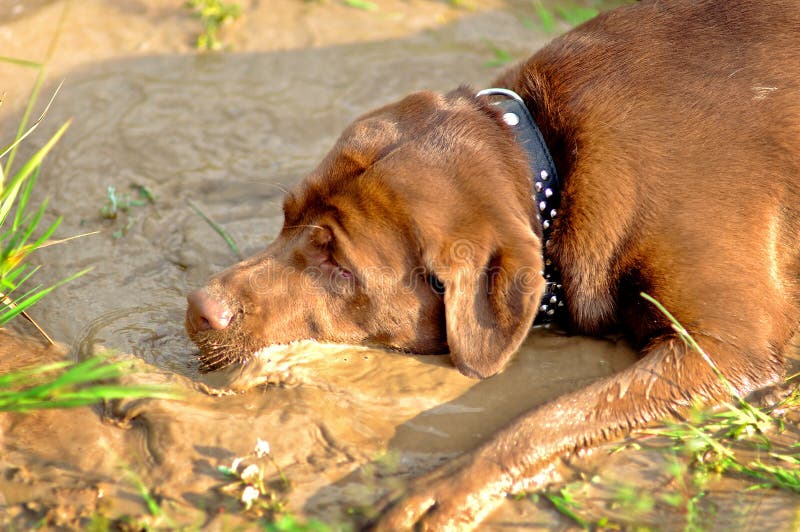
(546, 192)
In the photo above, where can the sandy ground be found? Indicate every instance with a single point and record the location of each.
(230, 131)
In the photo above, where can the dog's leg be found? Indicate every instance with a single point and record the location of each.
(668, 378)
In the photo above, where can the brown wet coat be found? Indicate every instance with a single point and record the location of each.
(391, 207)
(674, 127)
(232, 131)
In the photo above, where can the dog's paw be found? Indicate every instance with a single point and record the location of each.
(456, 496)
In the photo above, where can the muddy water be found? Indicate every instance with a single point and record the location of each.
(231, 132)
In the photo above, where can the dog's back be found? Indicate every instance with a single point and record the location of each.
(680, 147)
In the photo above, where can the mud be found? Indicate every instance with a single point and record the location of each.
(231, 132)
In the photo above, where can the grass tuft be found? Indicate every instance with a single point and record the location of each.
(62, 384)
(16, 232)
(69, 384)
(213, 14)
(118, 204)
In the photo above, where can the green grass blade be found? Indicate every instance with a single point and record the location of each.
(9, 193)
(152, 505)
(545, 17)
(11, 245)
(22, 135)
(220, 231)
(576, 15)
(501, 56)
(565, 507)
(37, 86)
(8, 280)
(690, 341)
(24, 374)
(32, 299)
(109, 392)
(364, 5)
(37, 399)
(44, 237)
(22, 202)
(79, 384)
(18, 248)
(10, 296)
(20, 62)
(90, 370)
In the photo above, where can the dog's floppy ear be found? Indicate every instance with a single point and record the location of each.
(368, 140)
(491, 295)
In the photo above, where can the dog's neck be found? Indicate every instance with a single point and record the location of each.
(546, 192)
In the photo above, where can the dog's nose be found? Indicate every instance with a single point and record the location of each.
(206, 312)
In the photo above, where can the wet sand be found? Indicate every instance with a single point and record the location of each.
(231, 132)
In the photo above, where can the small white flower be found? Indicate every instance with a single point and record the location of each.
(262, 448)
(250, 473)
(249, 496)
(235, 463)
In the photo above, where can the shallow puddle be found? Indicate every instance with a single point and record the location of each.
(231, 132)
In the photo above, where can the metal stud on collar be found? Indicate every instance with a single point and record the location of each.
(498, 91)
(546, 188)
(511, 119)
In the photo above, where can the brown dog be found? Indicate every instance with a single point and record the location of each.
(675, 128)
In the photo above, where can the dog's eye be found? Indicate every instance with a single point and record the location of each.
(436, 285)
(333, 267)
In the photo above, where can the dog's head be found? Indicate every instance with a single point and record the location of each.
(413, 233)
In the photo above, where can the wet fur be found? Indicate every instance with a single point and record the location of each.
(674, 126)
